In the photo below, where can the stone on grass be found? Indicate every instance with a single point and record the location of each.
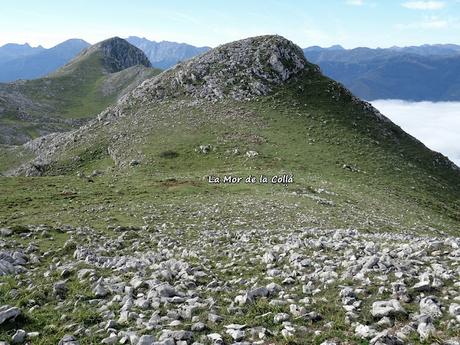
(430, 306)
(68, 340)
(365, 331)
(8, 313)
(387, 308)
(146, 340)
(425, 327)
(19, 337)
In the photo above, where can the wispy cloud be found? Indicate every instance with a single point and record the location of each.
(424, 5)
(435, 24)
(431, 22)
(355, 2)
(434, 124)
(425, 24)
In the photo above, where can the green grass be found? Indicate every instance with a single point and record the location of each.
(12, 156)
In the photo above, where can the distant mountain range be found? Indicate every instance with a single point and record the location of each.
(165, 54)
(337, 52)
(426, 72)
(21, 61)
(25, 62)
(12, 51)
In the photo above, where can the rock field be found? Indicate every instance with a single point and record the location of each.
(161, 285)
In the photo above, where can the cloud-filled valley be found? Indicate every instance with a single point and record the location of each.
(436, 124)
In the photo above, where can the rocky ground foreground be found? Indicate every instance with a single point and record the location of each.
(161, 285)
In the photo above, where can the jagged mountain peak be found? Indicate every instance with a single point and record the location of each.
(115, 53)
(241, 70)
(120, 54)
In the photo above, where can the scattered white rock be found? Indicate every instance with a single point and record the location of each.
(365, 332)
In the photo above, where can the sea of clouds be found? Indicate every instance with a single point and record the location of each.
(436, 124)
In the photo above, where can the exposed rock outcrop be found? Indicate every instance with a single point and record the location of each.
(241, 70)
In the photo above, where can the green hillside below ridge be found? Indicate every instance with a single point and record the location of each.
(312, 128)
(67, 98)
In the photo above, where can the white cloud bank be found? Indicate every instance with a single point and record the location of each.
(436, 124)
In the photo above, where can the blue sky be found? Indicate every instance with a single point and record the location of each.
(351, 23)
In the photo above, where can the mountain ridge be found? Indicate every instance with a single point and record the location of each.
(240, 77)
(116, 55)
(272, 64)
(369, 73)
(424, 73)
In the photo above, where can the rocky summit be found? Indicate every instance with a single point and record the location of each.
(240, 197)
(241, 70)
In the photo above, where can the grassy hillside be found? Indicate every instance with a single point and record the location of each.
(312, 130)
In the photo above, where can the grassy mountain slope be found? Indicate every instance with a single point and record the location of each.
(128, 197)
(68, 97)
(308, 126)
